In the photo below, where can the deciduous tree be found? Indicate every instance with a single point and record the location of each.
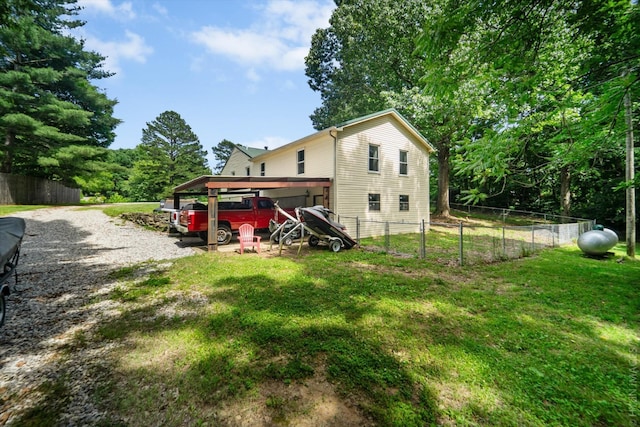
(367, 61)
(560, 72)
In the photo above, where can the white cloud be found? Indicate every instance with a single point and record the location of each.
(253, 75)
(245, 47)
(134, 48)
(300, 19)
(161, 9)
(122, 11)
(279, 40)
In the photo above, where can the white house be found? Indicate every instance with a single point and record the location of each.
(239, 162)
(378, 166)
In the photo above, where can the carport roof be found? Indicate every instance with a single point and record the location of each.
(204, 182)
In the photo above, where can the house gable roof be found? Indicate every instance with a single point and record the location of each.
(250, 151)
(392, 112)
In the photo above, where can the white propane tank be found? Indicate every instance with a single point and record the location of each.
(597, 242)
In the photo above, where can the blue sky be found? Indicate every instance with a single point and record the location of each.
(233, 69)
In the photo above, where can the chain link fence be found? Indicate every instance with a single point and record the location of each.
(466, 242)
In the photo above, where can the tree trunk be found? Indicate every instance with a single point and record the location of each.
(629, 177)
(7, 159)
(442, 204)
(565, 190)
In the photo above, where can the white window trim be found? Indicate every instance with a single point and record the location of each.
(400, 163)
(369, 158)
(369, 202)
(298, 162)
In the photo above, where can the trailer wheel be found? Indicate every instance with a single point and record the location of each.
(2, 309)
(336, 245)
(224, 234)
(313, 241)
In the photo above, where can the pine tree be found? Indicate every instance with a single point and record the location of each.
(170, 154)
(47, 100)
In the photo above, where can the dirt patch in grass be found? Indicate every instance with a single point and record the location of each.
(310, 402)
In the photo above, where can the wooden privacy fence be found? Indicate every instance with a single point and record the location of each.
(29, 190)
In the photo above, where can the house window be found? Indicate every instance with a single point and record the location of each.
(300, 162)
(404, 164)
(262, 169)
(374, 158)
(248, 170)
(374, 202)
(404, 202)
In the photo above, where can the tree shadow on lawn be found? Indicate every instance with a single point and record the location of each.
(411, 350)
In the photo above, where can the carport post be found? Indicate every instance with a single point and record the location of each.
(212, 234)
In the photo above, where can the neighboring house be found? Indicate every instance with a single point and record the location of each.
(378, 166)
(239, 162)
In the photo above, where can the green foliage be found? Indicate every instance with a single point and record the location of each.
(79, 165)
(48, 101)
(366, 61)
(367, 50)
(169, 154)
(554, 75)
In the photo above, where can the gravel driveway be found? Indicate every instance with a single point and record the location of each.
(66, 257)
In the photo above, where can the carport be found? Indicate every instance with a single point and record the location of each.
(213, 185)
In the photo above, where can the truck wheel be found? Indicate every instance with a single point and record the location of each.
(224, 234)
(313, 241)
(2, 309)
(336, 245)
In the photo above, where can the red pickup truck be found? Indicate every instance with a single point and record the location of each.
(257, 211)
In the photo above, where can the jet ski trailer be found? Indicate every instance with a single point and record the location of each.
(11, 233)
(316, 222)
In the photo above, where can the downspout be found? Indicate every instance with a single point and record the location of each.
(335, 168)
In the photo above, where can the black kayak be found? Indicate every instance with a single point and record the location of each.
(11, 232)
(317, 219)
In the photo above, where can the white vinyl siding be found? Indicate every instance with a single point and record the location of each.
(237, 163)
(318, 159)
(354, 179)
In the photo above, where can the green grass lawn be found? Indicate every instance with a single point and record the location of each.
(547, 340)
(366, 338)
(6, 210)
(115, 209)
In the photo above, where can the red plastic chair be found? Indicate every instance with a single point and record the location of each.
(248, 238)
